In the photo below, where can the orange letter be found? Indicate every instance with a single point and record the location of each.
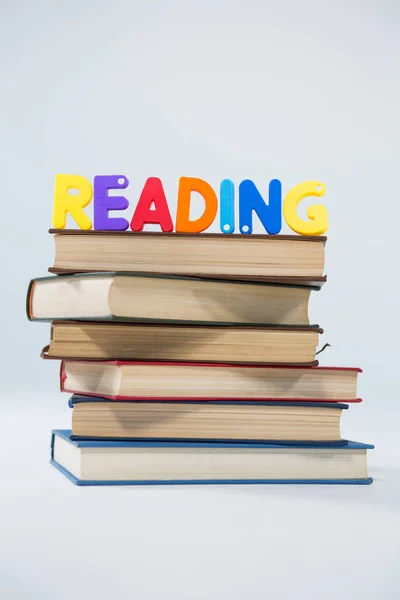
(187, 185)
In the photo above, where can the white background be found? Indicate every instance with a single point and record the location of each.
(212, 89)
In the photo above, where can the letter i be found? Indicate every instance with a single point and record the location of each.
(227, 206)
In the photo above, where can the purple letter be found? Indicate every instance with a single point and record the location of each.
(104, 203)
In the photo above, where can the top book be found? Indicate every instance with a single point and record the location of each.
(279, 258)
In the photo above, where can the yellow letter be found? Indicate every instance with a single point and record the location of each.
(317, 212)
(67, 203)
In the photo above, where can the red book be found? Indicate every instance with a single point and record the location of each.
(119, 380)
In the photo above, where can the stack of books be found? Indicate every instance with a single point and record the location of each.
(191, 359)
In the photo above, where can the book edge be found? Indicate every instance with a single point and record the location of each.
(103, 482)
(309, 238)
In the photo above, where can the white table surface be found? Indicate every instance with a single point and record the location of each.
(59, 541)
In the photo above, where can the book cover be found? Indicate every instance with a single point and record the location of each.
(79, 399)
(229, 242)
(74, 278)
(66, 435)
(65, 388)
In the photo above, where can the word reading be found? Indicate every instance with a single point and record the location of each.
(152, 206)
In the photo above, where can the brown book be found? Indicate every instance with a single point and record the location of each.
(165, 298)
(201, 421)
(151, 342)
(280, 258)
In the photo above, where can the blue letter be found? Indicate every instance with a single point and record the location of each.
(227, 206)
(269, 214)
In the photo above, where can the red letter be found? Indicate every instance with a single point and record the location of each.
(153, 191)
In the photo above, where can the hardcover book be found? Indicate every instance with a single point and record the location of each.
(279, 258)
(129, 463)
(134, 341)
(230, 420)
(162, 298)
(140, 380)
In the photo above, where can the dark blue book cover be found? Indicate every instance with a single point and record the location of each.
(78, 399)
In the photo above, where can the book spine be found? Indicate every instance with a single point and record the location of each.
(53, 435)
(29, 300)
(63, 376)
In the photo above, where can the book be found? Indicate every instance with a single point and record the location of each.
(204, 421)
(284, 258)
(135, 297)
(140, 380)
(138, 341)
(128, 463)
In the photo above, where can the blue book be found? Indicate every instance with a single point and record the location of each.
(214, 420)
(99, 462)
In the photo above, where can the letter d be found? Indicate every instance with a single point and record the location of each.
(187, 185)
